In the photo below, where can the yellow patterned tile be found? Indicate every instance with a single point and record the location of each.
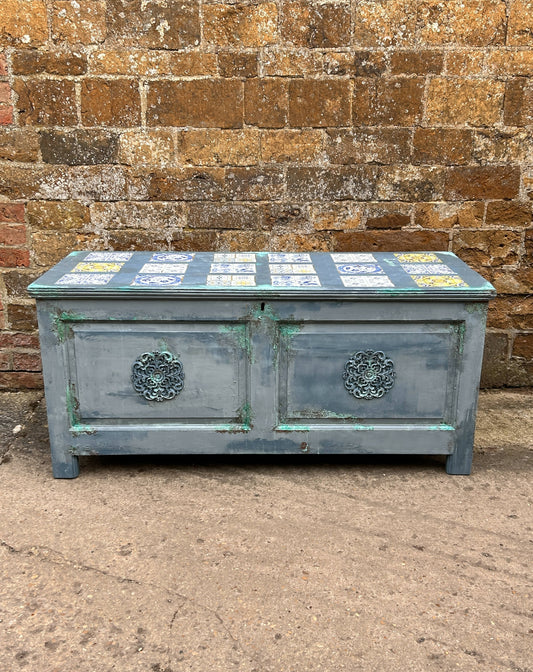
(416, 256)
(97, 267)
(439, 281)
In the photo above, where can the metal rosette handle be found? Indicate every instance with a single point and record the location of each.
(157, 376)
(369, 374)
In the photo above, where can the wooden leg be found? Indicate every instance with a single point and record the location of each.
(64, 465)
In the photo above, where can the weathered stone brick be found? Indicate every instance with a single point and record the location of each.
(520, 25)
(387, 215)
(236, 64)
(420, 62)
(448, 146)
(465, 63)
(173, 24)
(510, 62)
(23, 22)
(58, 215)
(6, 115)
(212, 147)
(523, 346)
(389, 241)
(389, 102)
(286, 146)
(18, 340)
(3, 65)
(139, 62)
(291, 63)
(281, 218)
(20, 380)
(78, 22)
(79, 147)
(487, 248)
(201, 240)
(509, 213)
(385, 24)
(16, 283)
(476, 22)
(12, 212)
(26, 361)
(518, 105)
(339, 183)
(266, 102)
(6, 359)
(512, 147)
(339, 216)
(12, 234)
(142, 215)
(477, 102)
(233, 240)
(380, 145)
(254, 183)
(110, 102)
(187, 184)
(355, 63)
(12, 258)
(224, 216)
(410, 183)
(516, 281)
(253, 25)
(44, 102)
(482, 182)
(5, 92)
(147, 148)
(204, 103)
(306, 24)
(22, 316)
(138, 239)
(448, 215)
(33, 62)
(495, 359)
(49, 247)
(314, 102)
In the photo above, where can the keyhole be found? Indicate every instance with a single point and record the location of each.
(263, 306)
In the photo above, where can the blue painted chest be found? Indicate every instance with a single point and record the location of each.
(258, 352)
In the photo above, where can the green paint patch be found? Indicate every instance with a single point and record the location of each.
(61, 320)
(242, 335)
(72, 404)
(292, 428)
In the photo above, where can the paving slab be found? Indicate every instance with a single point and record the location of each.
(267, 564)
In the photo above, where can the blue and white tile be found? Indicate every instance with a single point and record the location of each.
(359, 269)
(172, 257)
(85, 279)
(288, 258)
(366, 281)
(176, 269)
(234, 269)
(295, 281)
(108, 256)
(291, 269)
(427, 269)
(166, 280)
(352, 257)
(241, 257)
(223, 280)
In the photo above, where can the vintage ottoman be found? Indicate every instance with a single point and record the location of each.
(173, 352)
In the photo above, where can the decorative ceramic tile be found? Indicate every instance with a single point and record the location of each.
(366, 281)
(108, 256)
(231, 280)
(427, 269)
(97, 267)
(288, 258)
(164, 268)
(350, 257)
(239, 257)
(358, 269)
(216, 269)
(439, 281)
(290, 269)
(157, 280)
(295, 281)
(172, 256)
(85, 279)
(416, 257)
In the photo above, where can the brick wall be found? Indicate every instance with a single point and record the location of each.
(185, 124)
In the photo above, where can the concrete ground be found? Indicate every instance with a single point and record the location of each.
(264, 564)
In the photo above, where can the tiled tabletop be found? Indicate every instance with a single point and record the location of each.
(343, 272)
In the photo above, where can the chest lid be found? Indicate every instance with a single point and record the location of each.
(343, 275)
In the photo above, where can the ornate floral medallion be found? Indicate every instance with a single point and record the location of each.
(368, 374)
(157, 376)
